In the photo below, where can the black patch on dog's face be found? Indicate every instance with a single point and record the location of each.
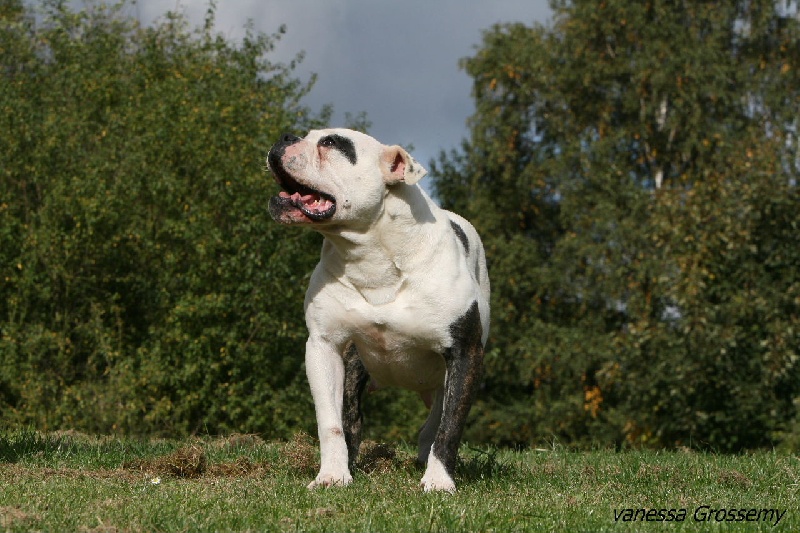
(342, 144)
(461, 236)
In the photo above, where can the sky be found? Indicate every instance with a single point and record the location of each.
(397, 61)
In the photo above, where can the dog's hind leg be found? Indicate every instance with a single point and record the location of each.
(428, 430)
(464, 362)
(355, 379)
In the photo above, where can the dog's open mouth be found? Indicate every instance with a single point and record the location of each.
(313, 204)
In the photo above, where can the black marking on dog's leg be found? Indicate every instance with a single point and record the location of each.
(461, 236)
(464, 362)
(342, 144)
(355, 379)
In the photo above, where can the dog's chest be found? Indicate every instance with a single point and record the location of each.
(400, 345)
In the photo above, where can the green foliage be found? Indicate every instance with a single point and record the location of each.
(633, 170)
(143, 286)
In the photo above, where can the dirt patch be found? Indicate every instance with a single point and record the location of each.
(241, 468)
(43, 473)
(548, 469)
(102, 528)
(187, 462)
(11, 517)
(376, 457)
(734, 478)
(300, 454)
(240, 441)
(320, 512)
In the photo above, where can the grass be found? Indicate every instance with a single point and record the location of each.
(74, 482)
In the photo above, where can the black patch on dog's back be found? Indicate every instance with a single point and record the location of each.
(461, 235)
(342, 144)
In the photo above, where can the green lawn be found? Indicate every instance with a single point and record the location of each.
(72, 482)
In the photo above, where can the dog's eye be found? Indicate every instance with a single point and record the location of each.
(342, 144)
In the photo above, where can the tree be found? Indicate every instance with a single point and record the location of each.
(633, 171)
(143, 284)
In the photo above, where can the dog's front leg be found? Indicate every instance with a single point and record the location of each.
(355, 381)
(325, 371)
(463, 361)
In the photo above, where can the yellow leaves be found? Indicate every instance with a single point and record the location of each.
(512, 141)
(542, 374)
(636, 434)
(785, 68)
(592, 398)
(512, 72)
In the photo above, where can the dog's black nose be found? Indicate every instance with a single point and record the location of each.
(288, 138)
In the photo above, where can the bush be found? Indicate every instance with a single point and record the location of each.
(145, 288)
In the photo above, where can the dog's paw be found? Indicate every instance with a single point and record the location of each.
(331, 480)
(436, 477)
(444, 484)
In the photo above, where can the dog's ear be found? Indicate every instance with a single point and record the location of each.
(399, 167)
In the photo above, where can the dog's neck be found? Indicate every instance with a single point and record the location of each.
(375, 261)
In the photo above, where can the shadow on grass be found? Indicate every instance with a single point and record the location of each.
(479, 465)
(16, 446)
(473, 464)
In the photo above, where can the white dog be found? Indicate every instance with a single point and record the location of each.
(400, 295)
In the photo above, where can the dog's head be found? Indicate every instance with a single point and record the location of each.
(336, 176)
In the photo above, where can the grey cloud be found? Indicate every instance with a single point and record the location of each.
(397, 61)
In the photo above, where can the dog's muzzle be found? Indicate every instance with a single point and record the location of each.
(296, 201)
